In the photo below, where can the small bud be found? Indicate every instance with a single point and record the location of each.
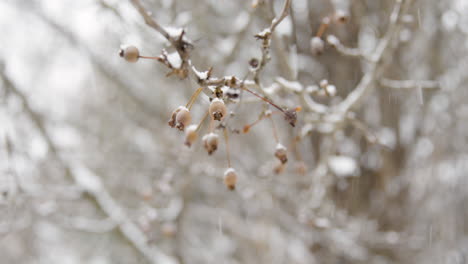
(190, 135)
(281, 153)
(340, 17)
(317, 46)
(217, 109)
(230, 179)
(210, 141)
(183, 118)
(129, 53)
(323, 83)
(172, 120)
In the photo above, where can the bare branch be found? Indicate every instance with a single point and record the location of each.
(377, 61)
(98, 193)
(266, 34)
(151, 22)
(351, 52)
(180, 42)
(284, 13)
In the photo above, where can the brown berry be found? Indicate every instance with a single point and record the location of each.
(172, 120)
(281, 153)
(190, 135)
(217, 109)
(129, 53)
(210, 141)
(230, 179)
(183, 118)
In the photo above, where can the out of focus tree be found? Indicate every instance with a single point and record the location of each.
(373, 171)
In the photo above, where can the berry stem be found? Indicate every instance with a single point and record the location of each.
(263, 98)
(193, 98)
(201, 122)
(149, 57)
(323, 27)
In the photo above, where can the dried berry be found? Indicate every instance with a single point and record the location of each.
(281, 153)
(190, 135)
(172, 120)
(129, 53)
(183, 118)
(230, 178)
(217, 109)
(210, 141)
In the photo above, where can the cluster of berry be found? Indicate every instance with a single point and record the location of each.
(181, 119)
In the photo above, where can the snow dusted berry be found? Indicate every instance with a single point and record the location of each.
(281, 153)
(129, 53)
(172, 121)
(190, 135)
(210, 141)
(183, 118)
(317, 46)
(230, 178)
(217, 109)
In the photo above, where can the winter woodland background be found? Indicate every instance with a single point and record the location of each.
(91, 173)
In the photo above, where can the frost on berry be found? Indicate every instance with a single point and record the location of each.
(217, 109)
(230, 179)
(317, 46)
(281, 153)
(183, 118)
(210, 142)
(190, 135)
(129, 53)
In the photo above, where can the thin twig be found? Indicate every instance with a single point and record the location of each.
(266, 35)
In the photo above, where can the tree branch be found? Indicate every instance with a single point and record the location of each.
(377, 61)
(97, 192)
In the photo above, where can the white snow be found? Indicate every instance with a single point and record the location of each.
(175, 60)
(343, 166)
